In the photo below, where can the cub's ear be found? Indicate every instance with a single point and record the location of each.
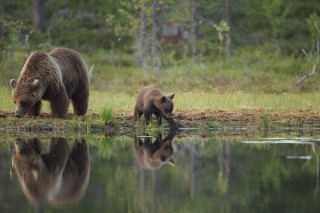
(163, 99)
(171, 96)
(35, 83)
(171, 162)
(13, 83)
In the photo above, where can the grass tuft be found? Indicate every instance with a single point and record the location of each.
(108, 116)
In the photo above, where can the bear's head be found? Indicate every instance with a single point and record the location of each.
(165, 104)
(26, 160)
(30, 87)
(28, 166)
(154, 154)
(25, 94)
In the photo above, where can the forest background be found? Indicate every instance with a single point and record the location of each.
(220, 46)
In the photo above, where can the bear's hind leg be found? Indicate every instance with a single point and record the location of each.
(80, 100)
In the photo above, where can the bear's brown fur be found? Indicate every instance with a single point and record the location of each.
(56, 76)
(59, 176)
(153, 155)
(152, 101)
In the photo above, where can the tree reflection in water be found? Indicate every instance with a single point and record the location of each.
(152, 155)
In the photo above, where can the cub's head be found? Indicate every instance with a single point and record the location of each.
(165, 104)
(154, 154)
(25, 94)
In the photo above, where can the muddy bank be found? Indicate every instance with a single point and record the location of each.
(242, 118)
(199, 120)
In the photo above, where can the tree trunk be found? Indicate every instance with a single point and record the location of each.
(155, 57)
(38, 11)
(228, 33)
(140, 38)
(193, 36)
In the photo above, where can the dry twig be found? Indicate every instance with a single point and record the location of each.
(308, 75)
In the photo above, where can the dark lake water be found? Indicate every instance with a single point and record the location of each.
(163, 173)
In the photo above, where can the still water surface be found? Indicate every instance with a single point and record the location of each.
(164, 173)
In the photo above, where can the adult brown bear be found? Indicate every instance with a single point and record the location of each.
(56, 76)
(59, 176)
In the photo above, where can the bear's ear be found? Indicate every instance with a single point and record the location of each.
(163, 99)
(13, 83)
(172, 96)
(35, 83)
(171, 162)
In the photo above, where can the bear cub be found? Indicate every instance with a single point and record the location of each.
(57, 76)
(152, 101)
(154, 154)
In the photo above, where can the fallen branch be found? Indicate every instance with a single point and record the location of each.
(314, 71)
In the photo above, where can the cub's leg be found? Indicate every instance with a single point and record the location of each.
(137, 114)
(159, 117)
(147, 117)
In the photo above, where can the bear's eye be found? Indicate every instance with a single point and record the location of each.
(23, 103)
(14, 102)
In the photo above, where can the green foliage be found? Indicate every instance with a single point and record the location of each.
(153, 128)
(275, 11)
(314, 27)
(89, 121)
(108, 115)
(108, 147)
(264, 123)
(213, 123)
(222, 29)
(105, 32)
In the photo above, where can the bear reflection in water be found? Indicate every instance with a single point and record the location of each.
(59, 177)
(152, 155)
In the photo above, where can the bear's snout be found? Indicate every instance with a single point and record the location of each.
(169, 114)
(19, 112)
(18, 115)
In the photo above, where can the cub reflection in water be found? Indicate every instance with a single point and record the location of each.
(152, 155)
(59, 177)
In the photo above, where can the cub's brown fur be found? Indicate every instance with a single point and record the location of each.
(56, 76)
(59, 177)
(153, 155)
(152, 101)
